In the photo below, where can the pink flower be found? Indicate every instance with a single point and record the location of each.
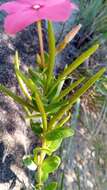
(22, 13)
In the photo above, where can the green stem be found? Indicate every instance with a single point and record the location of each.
(39, 174)
(42, 111)
(52, 51)
(40, 161)
(39, 27)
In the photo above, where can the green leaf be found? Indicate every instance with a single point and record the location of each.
(29, 163)
(87, 85)
(29, 83)
(77, 95)
(36, 128)
(59, 88)
(16, 98)
(59, 133)
(44, 176)
(46, 57)
(69, 89)
(52, 52)
(54, 107)
(41, 109)
(51, 186)
(51, 164)
(64, 120)
(53, 145)
(38, 149)
(75, 65)
(38, 59)
(36, 77)
(21, 83)
(54, 92)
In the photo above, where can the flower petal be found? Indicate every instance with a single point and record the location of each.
(55, 2)
(59, 2)
(13, 6)
(26, 1)
(33, 2)
(59, 10)
(18, 21)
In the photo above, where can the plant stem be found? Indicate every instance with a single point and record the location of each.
(52, 51)
(42, 110)
(39, 173)
(40, 161)
(39, 27)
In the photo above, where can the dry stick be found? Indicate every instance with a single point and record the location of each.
(40, 35)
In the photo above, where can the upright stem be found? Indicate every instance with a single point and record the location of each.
(39, 27)
(52, 52)
(40, 161)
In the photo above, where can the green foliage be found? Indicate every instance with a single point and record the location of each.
(21, 83)
(50, 164)
(39, 149)
(36, 128)
(50, 106)
(59, 133)
(68, 70)
(51, 186)
(76, 95)
(29, 163)
(66, 91)
(53, 145)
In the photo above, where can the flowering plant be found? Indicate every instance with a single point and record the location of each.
(45, 101)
